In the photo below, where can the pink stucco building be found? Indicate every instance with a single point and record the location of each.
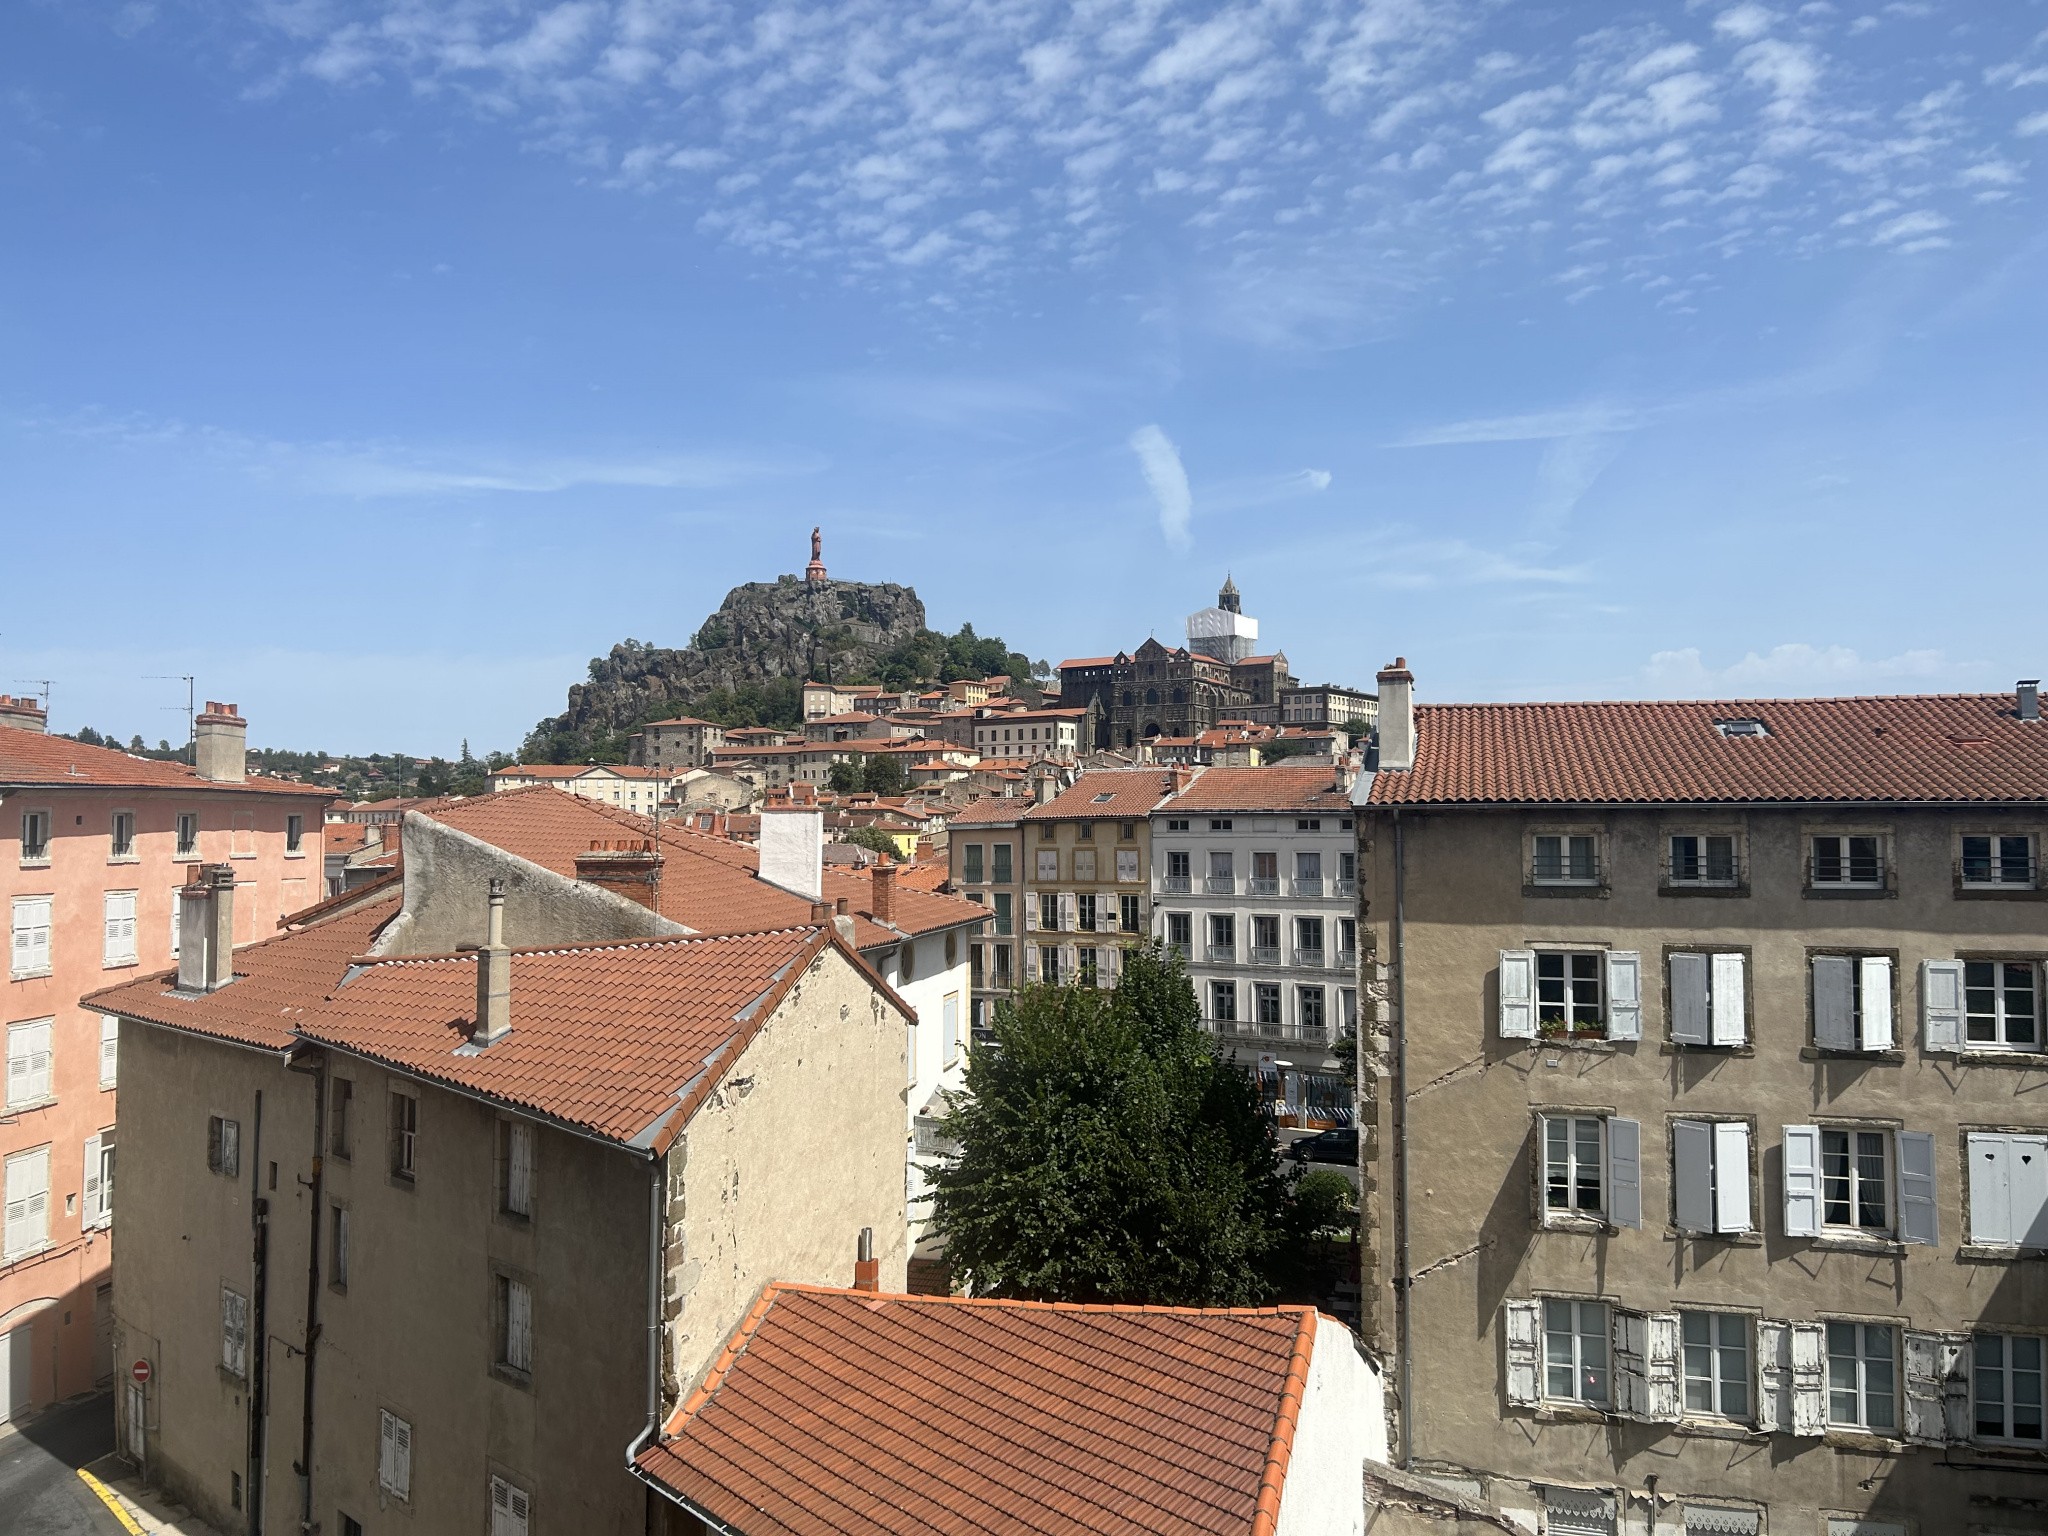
(93, 847)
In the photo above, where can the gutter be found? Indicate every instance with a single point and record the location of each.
(1403, 1281)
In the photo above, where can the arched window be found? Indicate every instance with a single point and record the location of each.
(1151, 729)
(1180, 695)
(1128, 701)
(1152, 697)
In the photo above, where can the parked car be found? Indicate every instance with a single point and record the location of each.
(1339, 1144)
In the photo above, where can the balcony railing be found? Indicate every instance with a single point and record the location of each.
(1346, 886)
(1220, 885)
(1308, 885)
(1223, 954)
(1262, 885)
(1175, 885)
(1347, 959)
(1182, 952)
(1265, 954)
(1559, 869)
(1312, 959)
(1998, 874)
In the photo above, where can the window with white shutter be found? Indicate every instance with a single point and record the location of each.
(509, 1508)
(1710, 1175)
(119, 946)
(2008, 1189)
(99, 1180)
(28, 1204)
(1936, 1367)
(234, 1333)
(1518, 994)
(1708, 1002)
(29, 1079)
(1522, 1344)
(110, 1051)
(1941, 1005)
(1624, 995)
(394, 1454)
(1592, 1167)
(1852, 1002)
(31, 937)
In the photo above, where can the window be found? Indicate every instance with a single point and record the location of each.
(1308, 824)
(234, 1333)
(1703, 858)
(35, 837)
(1715, 1363)
(98, 1203)
(405, 1132)
(515, 1325)
(1855, 1179)
(1049, 964)
(1720, 1520)
(28, 1204)
(1308, 872)
(1575, 1352)
(1221, 873)
(2002, 1004)
(2005, 1385)
(1087, 966)
(1347, 939)
(223, 1146)
(28, 1063)
(1707, 999)
(1852, 1002)
(999, 957)
(337, 1268)
(1045, 833)
(31, 936)
(949, 1043)
(1086, 831)
(1738, 728)
(1127, 872)
(1998, 861)
(1220, 824)
(1854, 861)
(1266, 1004)
(1222, 936)
(1002, 863)
(1005, 921)
(1842, 1178)
(121, 836)
(1049, 911)
(1126, 832)
(1570, 992)
(1862, 1377)
(342, 1100)
(119, 945)
(1265, 938)
(1048, 861)
(1127, 914)
(294, 833)
(1084, 864)
(2008, 1189)
(1174, 823)
(1309, 1011)
(1223, 1002)
(509, 1509)
(1180, 932)
(1265, 874)
(1308, 941)
(1564, 858)
(971, 859)
(515, 1161)
(1710, 1175)
(1592, 1167)
(110, 1052)
(188, 834)
(394, 1455)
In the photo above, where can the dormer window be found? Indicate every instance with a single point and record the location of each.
(1744, 727)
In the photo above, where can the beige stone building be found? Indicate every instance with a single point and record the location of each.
(1085, 856)
(682, 743)
(1706, 1157)
(447, 1194)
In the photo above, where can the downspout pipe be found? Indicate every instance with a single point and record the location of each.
(1404, 1282)
(259, 1328)
(314, 1066)
(656, 1221)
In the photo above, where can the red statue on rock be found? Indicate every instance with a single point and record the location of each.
(815, 571)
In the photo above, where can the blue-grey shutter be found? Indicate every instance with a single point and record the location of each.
(1941, 1005)
(1692, 1174)
(1624, 1172)
(1689, 1021)
(1917, 1223)
(1834, 1002)
(1624, 995)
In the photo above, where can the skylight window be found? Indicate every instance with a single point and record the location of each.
(1105, 797)
(1741, 728)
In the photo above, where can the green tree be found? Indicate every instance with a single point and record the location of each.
(874, 839)
(844, 778)
(1108, 1154)
(884, 775)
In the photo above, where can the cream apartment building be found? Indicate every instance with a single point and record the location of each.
(1705, 1143)
(1085, 851)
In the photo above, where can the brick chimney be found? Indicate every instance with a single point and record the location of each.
(1397, 716)
(867, 1269)
(220, 744)
(493, 975)
(885, 891)
(631, 866)
(206, 929)
(23, 714)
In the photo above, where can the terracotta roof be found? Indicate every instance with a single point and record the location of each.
(995, 810)
(856, 717)
(1956, 748)
(1087, 661)
(1037, 714)
(622, 1040)
(685, 720)
(928, 876)
(539, 771)
(1282, 787)
(1246, 661)
(346, 836)
(276, 982)
(845, 1413)
(1116, 794)
(31, 758)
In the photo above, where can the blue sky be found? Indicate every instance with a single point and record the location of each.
(381, 362)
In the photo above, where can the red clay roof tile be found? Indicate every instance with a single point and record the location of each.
(1116, 794)
(29, 757)
(1305, 790)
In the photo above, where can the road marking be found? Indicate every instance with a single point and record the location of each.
(112, 1501)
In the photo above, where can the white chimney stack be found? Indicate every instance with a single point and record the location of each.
(1397, 716)
(493, 975)
(220, 744)
(206, 929)
(792, 845)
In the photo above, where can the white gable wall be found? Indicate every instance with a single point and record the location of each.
(1343, 1422)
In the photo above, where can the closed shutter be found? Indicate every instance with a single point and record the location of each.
(234, 1332)
(28, 1203)
(1941, 1005)
(519, 1144)
(508, 1509)
(28, 1062)
(1809, 1378)
(1802, 1181)
(1834, 1002)
(1030, 913)
(1774, 1376)
(1917, 1220)
(1624, 1172)
(31, 935)
(394, 1454)
(518, 1326)
(1624, 995)
(1876, 1021)
(1067, 924)
(1031, 962)
(1926, 1415)
(1731, 1176)
(1522, 1335)
(1990, 1160)
(119, 948)
(1661, 1361)
(110, 1051)
(1690, 1024)
(90, 1216)
(1126, 865)
(1730, 1007)
(1630, 1333)
(1692, 1175)
(1518, 994)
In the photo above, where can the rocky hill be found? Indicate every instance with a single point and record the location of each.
(748, 662)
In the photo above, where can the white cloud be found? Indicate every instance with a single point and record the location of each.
(1159, 462)
(2028, 127)
(1744, 22)
(1797, 669)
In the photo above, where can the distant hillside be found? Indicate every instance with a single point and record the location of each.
(749, 661)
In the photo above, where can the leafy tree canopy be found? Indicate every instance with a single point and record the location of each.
(874, 839)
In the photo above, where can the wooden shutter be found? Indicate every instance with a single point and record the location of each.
(1030, 962)
(1630, 1334)
(2028, 1180)
(1624, 1172)
(1730, 1026)
(1692, 1175)
(1774, 1376)
(1624, 995)
(28, 1202)
(394, 1454)
(1989, 1155)
(1522, 1334)
(1834, 1002)
(1067, 924)
(1661, 1359)
(1518, 994)
(90, 1216)
(1941, 1005)
(1802, 1180)
(31, 935)
(234, 1332)
(1689, 1020)
(1809, 1378)
(1031, 912)
(110, 1052)
(1876, 1021)
(1926, 1414)
(1955, 1385)
(508, 1509)
(1917, 1219)
(1731, 1176)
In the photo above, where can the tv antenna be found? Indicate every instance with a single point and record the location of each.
(191, 711)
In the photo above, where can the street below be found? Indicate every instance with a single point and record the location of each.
(41, 1493)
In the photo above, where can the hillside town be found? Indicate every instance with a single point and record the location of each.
(612, 1149)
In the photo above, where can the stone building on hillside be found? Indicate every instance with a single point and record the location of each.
(1134, 696)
